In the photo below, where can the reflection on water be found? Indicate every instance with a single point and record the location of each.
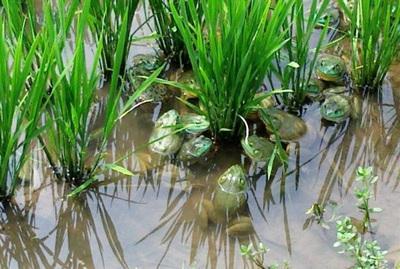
(151, 219)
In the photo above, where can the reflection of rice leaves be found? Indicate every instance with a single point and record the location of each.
(354, 149)
(179, 221)
(20, 244)
(77, 225)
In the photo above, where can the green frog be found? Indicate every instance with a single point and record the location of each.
(331, 68)
(194, 123)
(314, 89)
(288, 126)
(331, 16)
(164, 140)
(338, 107)
(228, 203)
(258, 148)
(194, 149)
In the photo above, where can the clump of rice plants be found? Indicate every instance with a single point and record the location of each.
(294, 65)
(69, 134)
(169, 38)
(375, 35)
(20, 107)
(107, 25)
(230, 52)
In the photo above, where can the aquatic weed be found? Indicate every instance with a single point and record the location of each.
(366, 253)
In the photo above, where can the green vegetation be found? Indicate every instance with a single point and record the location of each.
(20, 108)
(365, 253)
(256, 255)
(20, 18)
(295, 62)
(374, 37)
(230, 52)
(169, 39)
(364, 193)
(74, 149)
(107, 26)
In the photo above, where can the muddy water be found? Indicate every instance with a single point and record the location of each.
(150, 220)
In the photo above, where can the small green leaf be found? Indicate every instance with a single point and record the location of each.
(119, 169)
(294, 65)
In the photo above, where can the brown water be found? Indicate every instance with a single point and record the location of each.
(150, 220)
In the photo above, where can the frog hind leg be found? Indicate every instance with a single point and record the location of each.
(242, 226)
(206, 214)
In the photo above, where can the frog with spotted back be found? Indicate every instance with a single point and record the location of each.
(228, 203)
(145, 65)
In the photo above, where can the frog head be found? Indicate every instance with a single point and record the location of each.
(336, 108)
(233, 180)
(330, 68)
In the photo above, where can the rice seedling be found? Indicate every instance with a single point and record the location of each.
(70, 116)
(20, 108)
(230, 52)
(375, 35)
(295, 63)
(107, 25)
(169, 38)
(20, 17)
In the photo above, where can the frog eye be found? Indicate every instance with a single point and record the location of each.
(251, 144)
(241, 181)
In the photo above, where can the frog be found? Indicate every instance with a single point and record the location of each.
(289, 127)
(163, 139)
(228, 203)
(266, 102)
(331, 68)
(314, 89)
(194, 123)
(258, 148)
(194, 149)
(338, 107)
(185, 77)
(145, 65)
(335, 90)
(330, 16)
